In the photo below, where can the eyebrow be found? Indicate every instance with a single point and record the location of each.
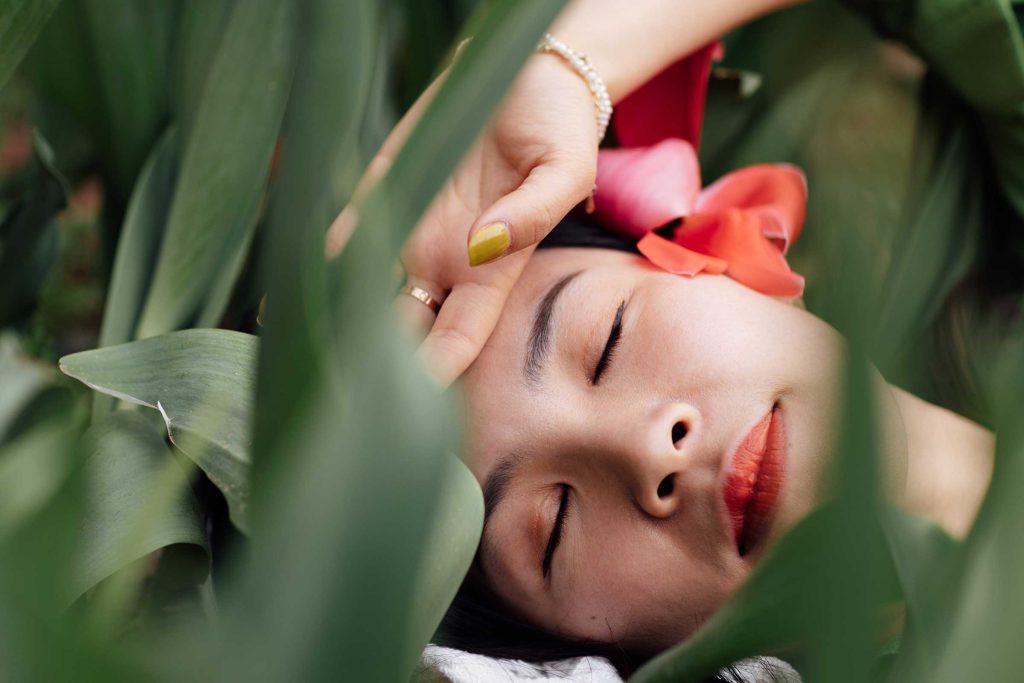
(496, 484)
(494, 489)
(539, 344)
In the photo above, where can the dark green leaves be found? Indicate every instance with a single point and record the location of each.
(138, 501)
(201, 382)
(137, 249)
(28, 237)
(224, 165)
(20, 24)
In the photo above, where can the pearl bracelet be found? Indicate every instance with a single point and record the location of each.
(579, 63)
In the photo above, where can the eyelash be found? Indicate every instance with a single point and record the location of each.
(556, 532)
(614, 336)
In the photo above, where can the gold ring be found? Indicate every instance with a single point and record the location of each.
(423, 296)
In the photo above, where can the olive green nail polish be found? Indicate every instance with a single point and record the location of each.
(488, 243)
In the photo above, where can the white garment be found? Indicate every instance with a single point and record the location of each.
(447, 665)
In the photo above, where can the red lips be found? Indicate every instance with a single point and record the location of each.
(754, 480)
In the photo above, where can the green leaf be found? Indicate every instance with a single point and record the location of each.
(20, 24)
(201, 27)
(926, 559)
(451, 546)
(22, 381)
(202, 382)
(137, 250)
(504, 35)
(130, 45)
(28, 238)
(225, 164)
(33, 467)
(984, 610)
(138, 500)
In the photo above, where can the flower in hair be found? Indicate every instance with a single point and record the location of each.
(650, 189)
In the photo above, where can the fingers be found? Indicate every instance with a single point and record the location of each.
(416, 316)
(462, 327)
(527, 214)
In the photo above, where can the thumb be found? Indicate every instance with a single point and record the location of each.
(527, 214)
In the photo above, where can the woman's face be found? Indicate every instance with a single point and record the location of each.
(683, 422)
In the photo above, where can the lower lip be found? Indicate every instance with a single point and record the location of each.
(754, 479)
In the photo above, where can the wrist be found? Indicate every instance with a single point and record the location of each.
(628, 43)
(579, 63)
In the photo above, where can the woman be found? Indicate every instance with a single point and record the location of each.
(642, 438)
(672, 430)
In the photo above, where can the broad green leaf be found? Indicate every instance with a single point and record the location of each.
(130, 44)
(357, 439)
(138, 500)
(225, 163)
(33, 467)
(202, 383)
(36, 565)
(984, 613)
(451, 545)
(326, 110)
(137, 250)
(28, 238)
(201, 27)
(216, 303)
(21, 379)
(926, 559)
(20, 24)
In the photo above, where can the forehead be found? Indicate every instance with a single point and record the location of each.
(498, 400)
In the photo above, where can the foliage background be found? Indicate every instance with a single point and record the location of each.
(282, 503)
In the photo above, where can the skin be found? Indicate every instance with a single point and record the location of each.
(634, 567)
(534, 161)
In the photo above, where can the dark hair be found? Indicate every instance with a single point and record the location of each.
(580, 230)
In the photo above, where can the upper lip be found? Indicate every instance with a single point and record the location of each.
(741, 471)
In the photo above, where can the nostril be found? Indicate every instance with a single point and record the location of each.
(678, 433)
(665, 487)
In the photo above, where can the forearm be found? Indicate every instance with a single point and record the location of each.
(629, 41)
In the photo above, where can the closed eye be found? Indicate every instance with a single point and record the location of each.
(614, 335)
(556, 532)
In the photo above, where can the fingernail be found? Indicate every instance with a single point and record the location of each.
(488, 243)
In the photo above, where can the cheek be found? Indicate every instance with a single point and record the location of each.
(644, 588)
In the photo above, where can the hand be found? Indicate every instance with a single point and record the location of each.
(533, 163)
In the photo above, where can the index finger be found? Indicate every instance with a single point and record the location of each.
(463, 325)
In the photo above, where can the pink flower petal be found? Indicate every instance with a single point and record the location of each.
(676, 258)
(776, 192)
(640, 189)
(738, 237)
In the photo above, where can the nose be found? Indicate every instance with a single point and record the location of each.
(655, 452)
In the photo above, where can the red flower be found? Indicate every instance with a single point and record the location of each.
(741, 225)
